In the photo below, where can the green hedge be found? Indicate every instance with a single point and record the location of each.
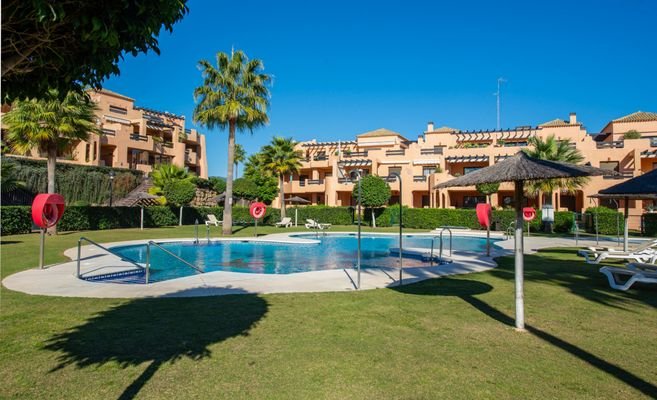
(610, 222)
(650, 224)
(77, 183)
(15, 220)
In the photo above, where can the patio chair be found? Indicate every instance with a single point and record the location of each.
(285, 223)
(212, 220)
(312, 224)
(616, 277)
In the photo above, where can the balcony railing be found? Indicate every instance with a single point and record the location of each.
(653, 142)
(345, 181)
(355, 154)
(420, 178)
(167, 144)
(395, 152)
(618, 144)
(322, 157)
(139, 138)
(435, 150)
(315, 181)
(109, 132)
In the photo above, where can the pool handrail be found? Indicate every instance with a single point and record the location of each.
(82, 238)
(148, 258)
(440, 252)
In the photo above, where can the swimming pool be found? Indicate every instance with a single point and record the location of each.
(333, 251)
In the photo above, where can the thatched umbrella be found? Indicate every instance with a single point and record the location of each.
(518, 169)
(296, 200)
(643, 187)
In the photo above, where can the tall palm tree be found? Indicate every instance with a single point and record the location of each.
(234, 95)
(50, 124)
(240, 156)
(554, 150)
(282, 159)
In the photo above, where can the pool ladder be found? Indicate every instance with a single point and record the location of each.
(440, 252)
(148, 258)
(84, 239)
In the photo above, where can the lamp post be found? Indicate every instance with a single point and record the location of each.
(356, 174)
(401, 262)
(111, 178)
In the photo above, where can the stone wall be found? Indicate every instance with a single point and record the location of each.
(204, 198)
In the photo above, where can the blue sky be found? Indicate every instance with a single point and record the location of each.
(345, 67)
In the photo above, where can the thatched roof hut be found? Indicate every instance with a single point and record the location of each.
(518, 169)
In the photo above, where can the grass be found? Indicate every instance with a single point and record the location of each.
(443, 338)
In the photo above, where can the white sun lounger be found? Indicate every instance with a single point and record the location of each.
(285, 223)
(312, 224)
(641, 254)
(212, 220)
(635, 275)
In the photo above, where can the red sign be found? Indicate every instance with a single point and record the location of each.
(484, 214)
(528, 214)
(257, 210)
(47, 209)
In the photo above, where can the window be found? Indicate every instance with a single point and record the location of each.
(394, 170)
(467, 170)
(471, 201)
(609, 165)
(95, 152)
(426, 171)
(118, 110)
(86, 152)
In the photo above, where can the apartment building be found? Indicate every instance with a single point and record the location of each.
(442, 153)
(137, 138)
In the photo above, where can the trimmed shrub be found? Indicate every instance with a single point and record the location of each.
(610, 221)
(15, 220)
(650, 224)
(324, 214)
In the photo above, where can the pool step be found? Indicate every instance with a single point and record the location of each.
(136, 275)
(420, 253)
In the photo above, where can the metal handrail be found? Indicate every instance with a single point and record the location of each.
(148, 258)
(508, 230)
(440, 254)
(82, 238)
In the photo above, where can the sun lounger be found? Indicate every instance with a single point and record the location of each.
(641, 254)
(212, 220)
(285, 223)
(641, 247)
(616, 277)
(312, 224)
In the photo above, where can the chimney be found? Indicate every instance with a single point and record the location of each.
(429, 126)
(573, 118)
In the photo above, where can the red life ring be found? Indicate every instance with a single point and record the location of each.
(484, 214)
(257, 210)
(47, 209)
(528, 213)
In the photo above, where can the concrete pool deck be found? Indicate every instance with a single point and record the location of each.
(61, 280)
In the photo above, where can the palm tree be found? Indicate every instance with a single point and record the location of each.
(240, 156)
(554, 150)
(282, 159)
(50, 124)
(234, 95)
(166, 173)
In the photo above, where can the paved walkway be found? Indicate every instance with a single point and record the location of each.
(61, 280)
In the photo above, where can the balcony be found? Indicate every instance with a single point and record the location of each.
(191, 158)
(400, 152)
(419, 178)
(618, 144)
(311, 182)
(322, 157)
(435, 150)
(345, 181)
(355, 154)
(621, 175)
(138, 138)
(653, 142)
(168, 144)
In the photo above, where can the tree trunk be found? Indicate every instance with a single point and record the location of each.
(373, 219)
(282, 195)
(180, 216)
(227, 226)
(51, 166)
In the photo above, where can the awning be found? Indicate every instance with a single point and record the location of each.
(123, 121)
(649, 154)
(466, 159)
(335, 143)
(389, 162)
(426, 162)
(515, 135)
(502, 157)
(355, 163)
(158, 127)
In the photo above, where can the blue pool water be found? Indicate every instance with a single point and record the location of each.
(334, 252)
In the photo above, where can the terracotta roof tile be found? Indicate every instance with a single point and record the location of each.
(639, 116)
(381, 133)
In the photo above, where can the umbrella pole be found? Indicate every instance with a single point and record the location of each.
(626, 233)
(296, 216)
(519, 259)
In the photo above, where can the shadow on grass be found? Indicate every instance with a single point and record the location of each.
(562, 268)
(156, 331)
(6, 242)
(468, 289)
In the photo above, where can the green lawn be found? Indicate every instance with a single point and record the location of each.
(444, 338)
